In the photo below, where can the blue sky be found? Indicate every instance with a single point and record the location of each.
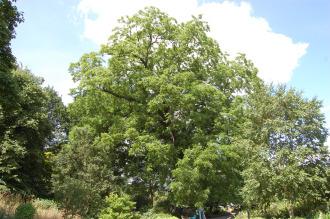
(295, 48)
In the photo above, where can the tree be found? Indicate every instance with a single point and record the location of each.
(25, 135)
(59, 120)
(287, 135)
(32, 118)
(9, 19)
(10, 151)
(22, 154)
(82, 176)
(156, 90)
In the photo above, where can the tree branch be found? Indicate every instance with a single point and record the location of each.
(128, 98)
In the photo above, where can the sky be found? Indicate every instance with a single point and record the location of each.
(288, 40)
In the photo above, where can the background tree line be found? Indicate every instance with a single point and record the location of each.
(161, 119)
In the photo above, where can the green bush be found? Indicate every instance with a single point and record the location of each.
(161, 203)
(244, 215)
(2, 214)
(119, 207)
(153, 215)
(321, 215)
(278, 210)
(78, 197)
(25, 211)
(44, 204)
(3, 188)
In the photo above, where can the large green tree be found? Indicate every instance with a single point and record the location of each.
(157, 90)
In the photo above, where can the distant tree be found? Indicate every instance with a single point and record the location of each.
(59, 119)
(288, 160)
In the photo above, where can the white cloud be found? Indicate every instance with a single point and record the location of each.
(233, 25)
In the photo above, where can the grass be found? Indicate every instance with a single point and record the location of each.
(46, 209)
(320, 215)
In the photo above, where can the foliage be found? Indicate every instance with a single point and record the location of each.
(25, 211)
(162, 115)
(77, 197)
(24, 138)
(118, 207)
(156, 90)
(44, 208)
(287, 148)
(321, 215)
(10, 17)
(153, 215)
(81, 174)
(162, 202)
(44, 203)
(200, 175)
(59, 120)
(27, 116)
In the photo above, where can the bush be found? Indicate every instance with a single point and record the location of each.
(3, 188)
(44, 204)
(278, 210)
(161, 203)
(153, 215)
(119, 207)
(78, 197)
(244, 215)
(2, 214)
(321, 215)
(25, 211)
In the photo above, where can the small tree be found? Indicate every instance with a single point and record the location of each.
(81, 175)
(119, 207)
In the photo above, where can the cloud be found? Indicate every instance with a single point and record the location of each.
(233, 25)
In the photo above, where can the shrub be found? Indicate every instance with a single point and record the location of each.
(321, 215)
(119, 207)
(161, 203)
(2, 214)
(153, 215)
(44, 204)
(78, 197)
(278, 210)
(244, 215)
(3, 188)
(25, 211)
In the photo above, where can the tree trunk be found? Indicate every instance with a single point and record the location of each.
(291, 212)
(248, 213)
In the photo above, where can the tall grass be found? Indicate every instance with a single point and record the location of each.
(46, 209)
(320, 215)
